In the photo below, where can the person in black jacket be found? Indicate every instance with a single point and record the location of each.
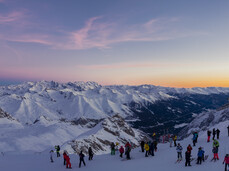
(228, 130)
(213, 133)
(81, 155)
(151, 149)
(90, 153)
(142, 145)
(187, 158)
(217, 133)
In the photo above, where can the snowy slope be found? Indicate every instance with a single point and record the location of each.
(164, 159)
(207, 120)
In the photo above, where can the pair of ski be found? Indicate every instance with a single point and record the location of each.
(178, 160)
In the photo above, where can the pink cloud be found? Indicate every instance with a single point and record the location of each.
(97, 34)
(11, 17)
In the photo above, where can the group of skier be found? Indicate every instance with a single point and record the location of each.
(150, 147)
(121, 150)
(67, 158)
(214, 132)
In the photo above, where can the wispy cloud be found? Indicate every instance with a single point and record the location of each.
(96, 33)
(11, 17)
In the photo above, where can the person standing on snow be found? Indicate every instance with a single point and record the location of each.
(175, 140)
(151, 149)
(170, 141)
(64, 156)
(228, 130)
(209, 135)
(155, 145)
(200, 155)
(217, 133)
(90, 153)
(189, 148)
(142, 145)
(215, 152)
(51, 156)
(81, 155)
(121, 150)
(147, 149)
(226, 161)
(213, 133)
(194, 139)
(68, 163)
(179, 152)
(112, 148)
(127, 150)
(187, 158)
(57, 147)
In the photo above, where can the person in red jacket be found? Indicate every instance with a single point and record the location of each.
(226, 161)
(121, 150)
(68, 163)
(189, 148)
(64, 156)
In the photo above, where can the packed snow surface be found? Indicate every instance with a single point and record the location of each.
(164, 159)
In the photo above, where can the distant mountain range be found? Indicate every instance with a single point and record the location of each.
(48, 113)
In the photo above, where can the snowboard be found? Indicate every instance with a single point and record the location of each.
(125, 159)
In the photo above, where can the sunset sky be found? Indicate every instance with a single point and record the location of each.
(176, 43)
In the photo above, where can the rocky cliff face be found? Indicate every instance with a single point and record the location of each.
(112, 129)
(207, 120)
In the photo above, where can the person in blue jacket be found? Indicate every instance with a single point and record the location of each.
(200, 155)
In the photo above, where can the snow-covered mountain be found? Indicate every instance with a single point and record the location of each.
(112, 129)
(218, 118)
(43, 114)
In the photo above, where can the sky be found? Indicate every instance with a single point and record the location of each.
(179, 43)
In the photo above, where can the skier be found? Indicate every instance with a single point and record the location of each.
(209, 135)
(147, 149)
(213, 133)
(228, 130)
(187, 158)
(217, 133)
(68, 163)
(81, 155)
(121, 150)
(57, 147)
(51, 153)
(200, 155)
(175, 140)
(155, 145)
(194, 139)
(216, 143)
(112, 148)
(64, 156)
(142, 145)
(127, 150)
(170, 141)
(152, 148)
(179, 152)
(226, 161)
(90, 153)
(189, 148)
(215, 151)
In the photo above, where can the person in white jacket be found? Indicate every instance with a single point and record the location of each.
(179, 151)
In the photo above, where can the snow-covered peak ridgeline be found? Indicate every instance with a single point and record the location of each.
(208, 120)
(31, 100)
(112, 129)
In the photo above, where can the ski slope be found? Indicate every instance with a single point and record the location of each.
(163, 160)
